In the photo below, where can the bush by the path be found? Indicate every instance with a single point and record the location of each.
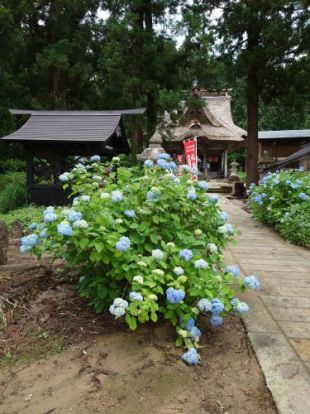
(146, 242)
(13, 191)
(282, 199)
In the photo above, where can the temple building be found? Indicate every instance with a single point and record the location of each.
(209, 119)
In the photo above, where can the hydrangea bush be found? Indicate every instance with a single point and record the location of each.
(146, 241)
(282, 199)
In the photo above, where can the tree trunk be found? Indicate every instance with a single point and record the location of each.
(252, 102)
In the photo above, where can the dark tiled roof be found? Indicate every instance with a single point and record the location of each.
(286, 134)
(303, 152)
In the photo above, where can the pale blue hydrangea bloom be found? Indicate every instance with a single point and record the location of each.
(251, 282)
(138, 279)
(204, 305)
(28, 242)
(174, 295)
(117, 311)
(49, 217)
(195, 332)
(301, 169)
(116, 196)
(164, 156)
(227, 228)
(172, 165)
(153, 196)
(161, 163)
(275, 181)
(214, 198)
(105, 196)
(224, 216)
(203, 185)
(64, 229)
(215, 320)
(81, 224)
(65, 177)
(135, 296)
(212, 247)
(258, 200)
(123, 244)
(97, 178)
(191, 195)
(33, 226)
(24, 249)
(303, 196)
(178, 271)
(85, 198)
(201, 264)
(238, 306)
(148, 163)
(75, 201)
(190, 323)
(233, 269)
(48, 209)
(130, 213)
(158, 254)
(120, 303)
(191, 357)
(95, 158)
(186, 254)
(43, 233)
(217, 306)
(74, 215)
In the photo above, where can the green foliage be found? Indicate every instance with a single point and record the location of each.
(152, 209)
(13, 191)
(283, 200)
(12, 165)
(26, 215)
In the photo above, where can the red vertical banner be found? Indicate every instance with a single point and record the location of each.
(180, 158)
(190, 149)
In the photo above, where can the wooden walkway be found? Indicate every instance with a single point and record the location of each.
(278, 323)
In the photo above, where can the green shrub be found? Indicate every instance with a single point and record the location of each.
(12, 165)
(282, 199)
(25, 215)
(146, 243)
(13, 196)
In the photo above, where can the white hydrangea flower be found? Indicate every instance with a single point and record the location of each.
(158, 254)
(201, 264)
(105, 196)
(178, 270)
(138, 279)
(158, 272)
(212, 247)
(152, 297)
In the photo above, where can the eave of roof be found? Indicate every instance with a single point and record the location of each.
(303, 152)
(138, 111)
(285, 134)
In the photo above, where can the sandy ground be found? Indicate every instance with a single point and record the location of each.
(58, 356)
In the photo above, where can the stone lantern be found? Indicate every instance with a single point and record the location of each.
(233, 176)
(154, 149)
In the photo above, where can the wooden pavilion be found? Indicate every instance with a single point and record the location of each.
(55, 141)
(214, 128)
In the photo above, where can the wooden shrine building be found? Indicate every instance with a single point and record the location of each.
(55, 141)
(214, 128)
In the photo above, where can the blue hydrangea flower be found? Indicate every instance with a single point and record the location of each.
(275, 181)
(74, 215)
(204, 305)
(120, 303)
(164, 156)
(117, 311)
(251, 282)
(33, 226)
(186, 254)
(174, 295)
(24, 249)
(130, 213)
(172, 165)
(95, 158)
(148, 163)
(258, 200)
(215, 320)
(81, 224)
(28, 242)
(217, 306)
(201, 264)
(65, 177)
(135, 296)
(214, 198)
(43, 233)
(191, 357)
(190, 324)
(301, 169)
(203, 185)
(224, 216)
(233, 269)
(49, 217)
(153, 196)
(64, 229)
(212, 247)
(191, 195)
(161, 163)
(123, 244)
(302, 196)
(116, 196)
(238, 306)
(195, 332)
(158, 254)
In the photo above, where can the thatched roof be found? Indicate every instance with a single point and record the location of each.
(218, 124)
